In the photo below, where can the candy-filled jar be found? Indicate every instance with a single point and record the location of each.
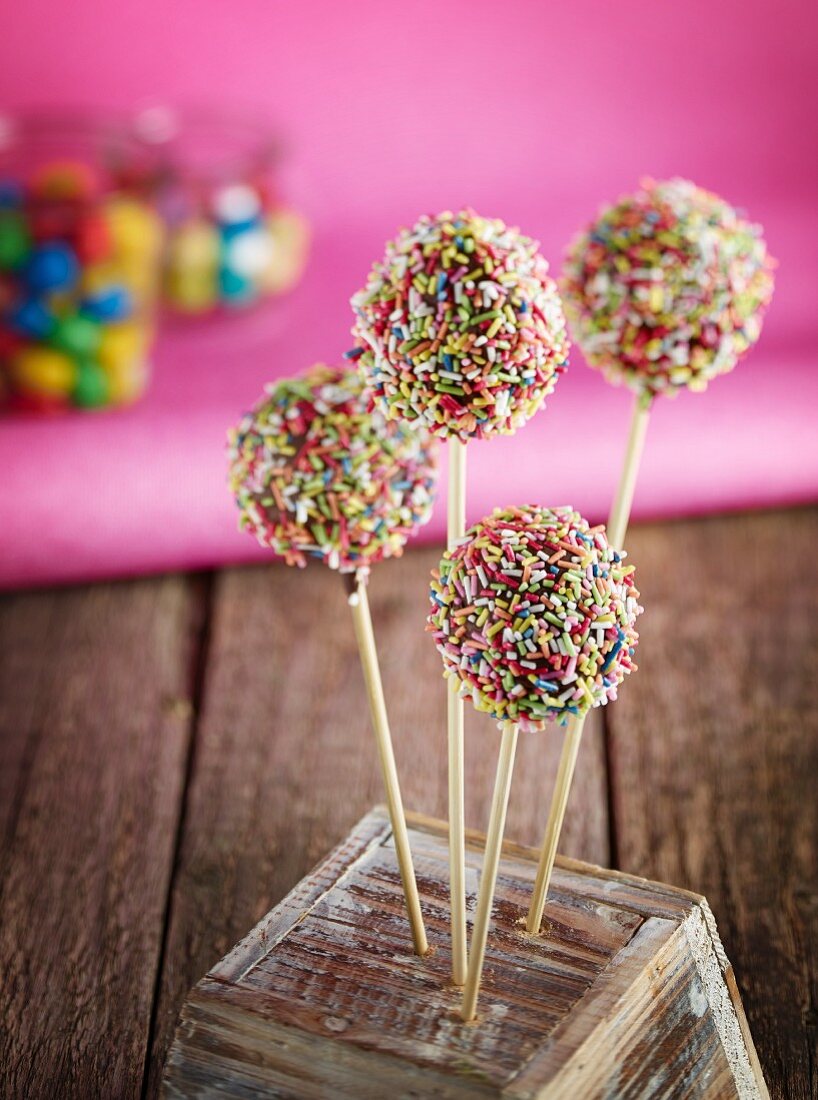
(79, 266)
(214, 177)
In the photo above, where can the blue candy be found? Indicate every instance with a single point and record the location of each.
(230, 230)
(112, 304)
(31, 318)
(11, 194)
(52, 266)
(234, 288)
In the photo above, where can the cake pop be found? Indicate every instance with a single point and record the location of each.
(664, 291)
(460, 328)
(667, 288)
(534, 614)
(317, 473)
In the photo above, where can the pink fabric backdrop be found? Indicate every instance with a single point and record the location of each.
(533, 111)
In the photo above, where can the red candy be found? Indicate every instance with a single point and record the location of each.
(50, 221)
(39, 403)
(92, 239)
(9, 342)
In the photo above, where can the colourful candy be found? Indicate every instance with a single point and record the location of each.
(237, 207)
(290, 240)
(235, 289)
(460, 327)
(76, 335)
(52, 266)
(248, 254)
(535, 613)
(192, 266)
(12, 194)
(317, 473)
(29, 317)
(67, 179)
(111, 303)
(45, 371)
(78, 273)
(91, 389)
(122, 344)
(667, 288)
(15, 240)
(92, 238)
(234, 259)
(125, 379)
(134, 229)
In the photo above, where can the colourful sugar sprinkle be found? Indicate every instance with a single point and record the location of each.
(535, 613)
(667, 288)
(461, 327)
(318, 473)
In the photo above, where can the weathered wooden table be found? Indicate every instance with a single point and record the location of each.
(176, 753)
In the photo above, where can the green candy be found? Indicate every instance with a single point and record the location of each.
(15, 240)
(91, 389)
(76, 335)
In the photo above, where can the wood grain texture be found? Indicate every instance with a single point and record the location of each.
(325, 997)
(94, 729)
(714, 757)
(285, 760)
(713, 749)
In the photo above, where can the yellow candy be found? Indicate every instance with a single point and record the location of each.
(122, 355)
(191, 280)
(192, 292)
(44, 371)
(126, 380)
(122, 345)
(136, 231)
(291, 239)
(194, 246)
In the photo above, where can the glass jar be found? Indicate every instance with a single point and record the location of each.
(232, 239)
(79, 267)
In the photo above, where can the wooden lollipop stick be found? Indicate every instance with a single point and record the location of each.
(616, 531)
(457, 834)
(455, 722)
(457, 491)
(359, 604)
(621, 510)
(491, 862)
(553, 828)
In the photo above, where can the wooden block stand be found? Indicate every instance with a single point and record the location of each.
(627, 993)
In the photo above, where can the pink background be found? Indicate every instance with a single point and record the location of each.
(536, 112)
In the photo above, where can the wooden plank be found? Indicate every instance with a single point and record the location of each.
(94, 730)
(26, 626)
(285, 760)
(615, 1001)
(714, 751)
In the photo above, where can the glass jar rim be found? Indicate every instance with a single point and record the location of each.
(216, 144)
(89, 127)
